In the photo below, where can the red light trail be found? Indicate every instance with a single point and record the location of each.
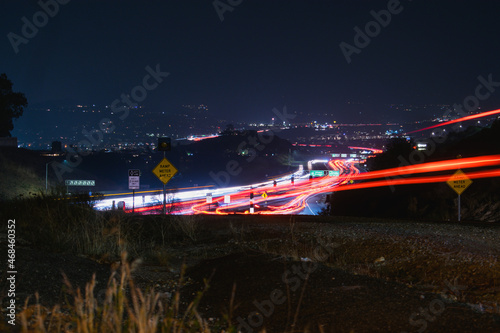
(303, 190)
(464, 163)
(292, 198)
(418, 180)
(199, 138)
(299, 193)
(373, 150)
(466, 118)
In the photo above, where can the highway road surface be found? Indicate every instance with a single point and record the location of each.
(294, 193)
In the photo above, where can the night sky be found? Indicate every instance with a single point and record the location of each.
(264, 54)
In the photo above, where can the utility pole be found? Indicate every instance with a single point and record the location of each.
(164, 170)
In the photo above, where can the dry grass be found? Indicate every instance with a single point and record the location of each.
(71, 225)
(188, 225)
(124, 308)
(18, 179)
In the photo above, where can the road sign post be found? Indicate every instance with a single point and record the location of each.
(459, 182)
(251, 208)
(164, 171)
(459, 213)
(164, 144)
(209, 200)
(134, 184)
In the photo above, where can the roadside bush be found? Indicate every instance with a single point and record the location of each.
(70, 224)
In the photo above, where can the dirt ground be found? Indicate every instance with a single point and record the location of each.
(300, 275)
(320, 298)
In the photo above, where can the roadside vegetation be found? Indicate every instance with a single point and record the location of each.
(18, 176)
(123, 308)
(401, 251)
(59, 223)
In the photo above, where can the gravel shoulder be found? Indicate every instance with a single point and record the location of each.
(342, 276)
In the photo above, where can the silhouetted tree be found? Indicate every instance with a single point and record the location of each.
(11, 106)
(229, 130)
(396, 150)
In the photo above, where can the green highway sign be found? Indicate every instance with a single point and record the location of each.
(323, 173)
(79, 182)
(317, 173)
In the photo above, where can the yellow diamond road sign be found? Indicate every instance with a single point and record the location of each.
(164, 171)
(264, 195)
(459, 182)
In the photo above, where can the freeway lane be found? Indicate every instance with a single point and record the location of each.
(286, 197)
(150, 200)
(314, 204)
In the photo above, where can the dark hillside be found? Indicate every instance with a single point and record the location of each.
(480, 202)
(227, 160)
